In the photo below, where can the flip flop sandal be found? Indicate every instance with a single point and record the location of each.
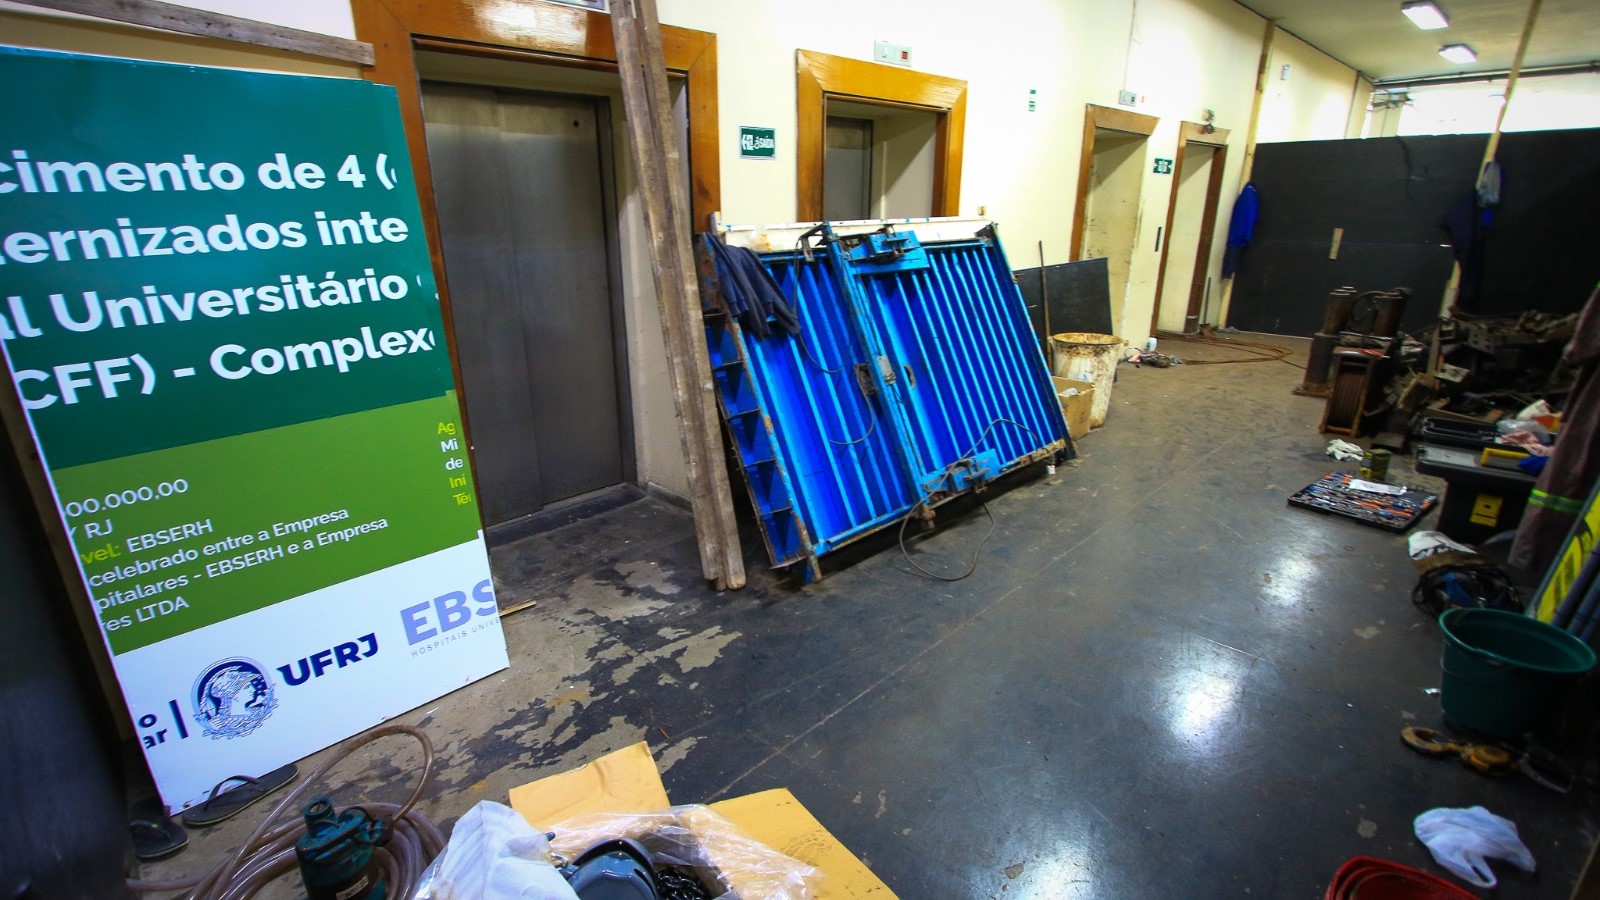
(224, 804)
(155, 839)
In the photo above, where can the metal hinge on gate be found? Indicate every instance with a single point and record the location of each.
(885, 251)
(962, 474)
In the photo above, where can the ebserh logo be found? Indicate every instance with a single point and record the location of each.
(232, 698)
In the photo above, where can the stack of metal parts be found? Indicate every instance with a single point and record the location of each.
(915, 377)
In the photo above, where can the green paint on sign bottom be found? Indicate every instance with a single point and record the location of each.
(220, 539)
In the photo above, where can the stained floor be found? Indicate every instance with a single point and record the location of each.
(1161, 681)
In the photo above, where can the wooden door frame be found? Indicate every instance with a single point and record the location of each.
(820, 77)
(545, 33)
(1193, 133)
(1097, 118)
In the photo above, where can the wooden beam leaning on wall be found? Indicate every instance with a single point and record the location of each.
(185, 20)
(658, 158)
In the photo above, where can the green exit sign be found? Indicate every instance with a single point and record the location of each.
(757, 143)
(1163, 166)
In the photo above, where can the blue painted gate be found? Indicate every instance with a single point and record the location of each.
(915, 377)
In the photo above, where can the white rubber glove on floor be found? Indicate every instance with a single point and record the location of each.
(1463, 840)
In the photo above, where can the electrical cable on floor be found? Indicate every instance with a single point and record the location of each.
(1263, 352)
(977, 551)
(993, 524)
(269, 851)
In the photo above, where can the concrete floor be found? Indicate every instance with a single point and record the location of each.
(1161, 681)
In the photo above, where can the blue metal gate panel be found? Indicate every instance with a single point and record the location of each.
(849, 476)
(968, 373)
(910, 381)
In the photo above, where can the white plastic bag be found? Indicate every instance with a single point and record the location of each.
(1344, 451)
(1423, 544)
(494, 854)
(1463, 840)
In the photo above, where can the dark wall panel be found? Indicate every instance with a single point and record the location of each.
(1391, 195)
(1080, 296)
(1544, 252)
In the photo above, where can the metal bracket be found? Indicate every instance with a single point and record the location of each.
(965, 473)
(885, 251)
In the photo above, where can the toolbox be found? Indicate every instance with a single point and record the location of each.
(1341, 494)
(1481, 501)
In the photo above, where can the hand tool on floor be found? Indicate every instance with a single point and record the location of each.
(1485, 759)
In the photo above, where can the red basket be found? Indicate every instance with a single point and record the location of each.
(1370, 878)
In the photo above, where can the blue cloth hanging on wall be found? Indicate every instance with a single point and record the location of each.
(1241, 228)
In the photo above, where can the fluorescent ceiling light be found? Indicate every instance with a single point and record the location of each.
(1459, 53)
(1425, 14)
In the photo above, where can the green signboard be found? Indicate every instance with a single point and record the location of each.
(1163, 166)
(756, 142)
(219, 314)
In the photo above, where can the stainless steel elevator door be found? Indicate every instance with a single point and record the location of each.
(521, 184)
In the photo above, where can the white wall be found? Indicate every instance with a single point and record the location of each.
(1313, 102)
(1539, 104)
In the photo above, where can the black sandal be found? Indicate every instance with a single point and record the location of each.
(155, 839)
(224, 804)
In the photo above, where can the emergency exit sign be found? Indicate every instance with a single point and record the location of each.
(1163, 166)
(757, 143)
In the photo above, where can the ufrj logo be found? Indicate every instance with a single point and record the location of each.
(232, 698)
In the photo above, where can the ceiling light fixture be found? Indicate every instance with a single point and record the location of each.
(1425, 14)
(1459, 54)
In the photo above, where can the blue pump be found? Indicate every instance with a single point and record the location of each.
(336, 861)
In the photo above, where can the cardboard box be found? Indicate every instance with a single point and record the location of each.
(1076, 407)
(628, 781)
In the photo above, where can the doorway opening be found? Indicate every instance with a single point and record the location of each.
(1182, 283)
(878, 162)
(1110, 178)
(877, 138)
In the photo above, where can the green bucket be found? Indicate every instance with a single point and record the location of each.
(1505, 673)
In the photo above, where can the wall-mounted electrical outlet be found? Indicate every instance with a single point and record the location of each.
(893, 54)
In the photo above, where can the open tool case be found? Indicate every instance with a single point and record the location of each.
(1332, 494)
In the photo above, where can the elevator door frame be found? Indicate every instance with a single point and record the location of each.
(1100, 118)
(544, 33)
(1217, 138)
(599, 106)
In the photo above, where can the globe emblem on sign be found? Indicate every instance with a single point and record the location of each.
(232, 698)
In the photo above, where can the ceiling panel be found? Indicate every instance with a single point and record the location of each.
(1374, 38)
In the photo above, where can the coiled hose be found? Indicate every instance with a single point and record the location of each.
(269, 852)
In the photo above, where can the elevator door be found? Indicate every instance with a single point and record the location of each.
(521, 185)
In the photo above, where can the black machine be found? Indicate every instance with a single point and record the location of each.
(1352, 319)
(623, 869)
